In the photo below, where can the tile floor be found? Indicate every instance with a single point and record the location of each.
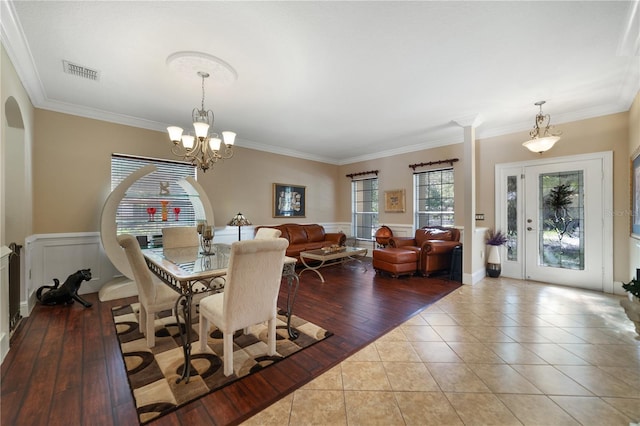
(501, 352)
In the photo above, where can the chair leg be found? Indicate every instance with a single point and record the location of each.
(203, 332)
(151, 330)
(142, 316)
(228, 352)
(271, 337)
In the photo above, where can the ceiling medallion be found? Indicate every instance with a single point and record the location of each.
(191, 63)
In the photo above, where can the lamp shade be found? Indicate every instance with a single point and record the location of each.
(239, 220)
(541, 145)
(175, 133)
(229, 137)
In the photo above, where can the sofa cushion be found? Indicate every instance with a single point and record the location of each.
(297, 234)
(423, 235)
(315, 233)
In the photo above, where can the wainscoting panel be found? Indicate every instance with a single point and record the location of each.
(50, 256)
(4, 302)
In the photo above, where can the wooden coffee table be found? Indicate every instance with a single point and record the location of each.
(344, 255)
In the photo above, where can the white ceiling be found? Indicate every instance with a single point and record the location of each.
(332, 81)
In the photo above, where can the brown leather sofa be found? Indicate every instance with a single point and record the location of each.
(433, 245)
(306, 237)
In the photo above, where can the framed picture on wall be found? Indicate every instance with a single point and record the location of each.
(394, 201)
(635, 194)
(289, 200)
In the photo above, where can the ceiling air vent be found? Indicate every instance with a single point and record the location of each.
(80, 71)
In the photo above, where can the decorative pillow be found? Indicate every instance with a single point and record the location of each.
(267, 234)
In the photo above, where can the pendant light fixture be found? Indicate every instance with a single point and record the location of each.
(543, 136)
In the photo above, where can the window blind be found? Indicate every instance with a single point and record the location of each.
(365, 207)
(132, 216)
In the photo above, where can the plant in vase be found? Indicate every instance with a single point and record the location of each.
(632, 305)
(494, 240)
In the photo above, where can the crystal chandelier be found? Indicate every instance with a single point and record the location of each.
(542, 135)
(203, 149)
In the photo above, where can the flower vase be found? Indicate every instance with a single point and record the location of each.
(494, 266)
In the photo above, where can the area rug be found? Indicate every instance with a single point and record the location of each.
(152, 373)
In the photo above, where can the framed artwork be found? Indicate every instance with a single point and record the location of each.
(289, 200)
(394, 201)
(635, 194)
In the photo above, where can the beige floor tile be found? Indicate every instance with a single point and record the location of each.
(599, 382)
(329, 380)
(467, 318)
(628, 406)
(501, 378)
(515, 353)
(456, 378)
(607, 355)
(550, 380)
(526, 319)
(591, 411)
(537, 410)
(475, 353)
(438, 318)
(630, 376)
(364, 376)
(481, 409)
(410, 376)
(488, 334)
(555, 354)
(421, 333)
(596, 335)
(276, 414)
(435, 352)
(558, 335)
(524, 334)
(305, 406)
(372, 409)
(368, 353)
(397, 351)
(427, 408)
(417, 320)
(454, 333)
(395, 335)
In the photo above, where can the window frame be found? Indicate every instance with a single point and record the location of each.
(424, 217)
(357, 215)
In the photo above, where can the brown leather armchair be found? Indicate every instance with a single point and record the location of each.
(434, 245)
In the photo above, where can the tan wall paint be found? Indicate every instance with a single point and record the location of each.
(395, 173)
(634, 149)
(72, 168)
(607, 133)
(11, 87)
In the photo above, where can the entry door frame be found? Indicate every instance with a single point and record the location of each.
(517, 269)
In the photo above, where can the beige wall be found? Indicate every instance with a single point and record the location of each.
(394, 173)
(16, 139)
(634, 149)
(72, 171)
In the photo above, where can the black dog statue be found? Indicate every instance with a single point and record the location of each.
(66, 293)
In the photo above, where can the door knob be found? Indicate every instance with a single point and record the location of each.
(529, 228)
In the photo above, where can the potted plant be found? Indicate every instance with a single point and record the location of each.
(494, 240)
(632, 305)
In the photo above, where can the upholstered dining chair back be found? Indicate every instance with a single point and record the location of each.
(153, 295)
(267, 234)
(250, 295)
(180, 236)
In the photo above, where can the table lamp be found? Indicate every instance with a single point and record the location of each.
(239, 220)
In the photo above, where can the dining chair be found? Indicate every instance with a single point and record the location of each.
(180, 236)
(267, 234)
(250, 295)
(153, 294)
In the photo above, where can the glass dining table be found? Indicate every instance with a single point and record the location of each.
(193, 273)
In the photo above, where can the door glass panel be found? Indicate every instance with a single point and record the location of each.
(512, 218)
(561, 230)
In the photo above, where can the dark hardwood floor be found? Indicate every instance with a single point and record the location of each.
(65, 367)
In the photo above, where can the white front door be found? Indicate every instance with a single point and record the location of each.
(554, 214)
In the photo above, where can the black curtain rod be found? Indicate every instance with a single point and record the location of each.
(370, 172)
(431, 163)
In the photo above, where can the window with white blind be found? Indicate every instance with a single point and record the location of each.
(434, 198)
(140, 211)
(365, 207)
